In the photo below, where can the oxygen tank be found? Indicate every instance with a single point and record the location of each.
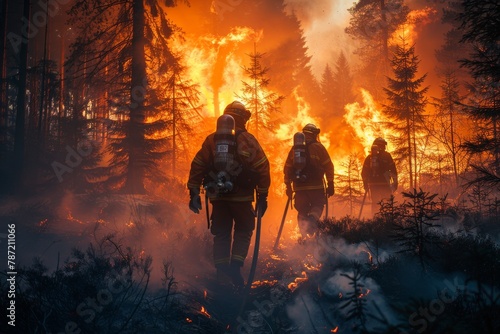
(299, 153)
(225, 143)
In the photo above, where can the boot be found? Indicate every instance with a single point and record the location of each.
(223, 274)
(235, 273)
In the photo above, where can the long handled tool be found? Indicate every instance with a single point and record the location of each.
(206, 209)
(251, 275)
(276, 243)
(362, 204)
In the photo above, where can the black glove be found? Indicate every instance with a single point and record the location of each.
(194, 200)
(289, 191)
(261, 204)
(330, 190)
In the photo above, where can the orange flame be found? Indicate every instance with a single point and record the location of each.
(42, 223)
(204, 312)
(297, 282)
(408, 30)
(334, 330)
(367, 121)
(205, 294)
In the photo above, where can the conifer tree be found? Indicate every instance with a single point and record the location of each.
(406, 105)
(480, 26)
(372, 23)
(342, 84)
(256, 96)
(124, 49)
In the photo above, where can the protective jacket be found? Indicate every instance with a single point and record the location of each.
(318, 165)
(379, 172)
(250, 170)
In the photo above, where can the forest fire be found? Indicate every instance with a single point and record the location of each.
(367, 120)
(102, 111)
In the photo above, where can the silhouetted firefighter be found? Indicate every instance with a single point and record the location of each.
(307, 164)
(230, 165)
(379, 174)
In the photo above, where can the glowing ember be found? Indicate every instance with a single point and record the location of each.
(340, 295)
(71, 218)
(204, 312)
(263, 283)
(43, 222)
(130, 224)
(361, 295)
(297, 282)
(334, 330)
(189, 320)
(205, 294)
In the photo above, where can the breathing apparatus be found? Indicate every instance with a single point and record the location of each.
(299, 155)
(224, 156)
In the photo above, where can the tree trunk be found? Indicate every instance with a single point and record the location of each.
(3, 73)
(135, 168)
(19, 142)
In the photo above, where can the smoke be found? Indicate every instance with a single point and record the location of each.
(323, 23)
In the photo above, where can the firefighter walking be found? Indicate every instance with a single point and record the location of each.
(230, 165)
(379, 174)
(307, 164)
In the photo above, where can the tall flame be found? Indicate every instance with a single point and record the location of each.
(408, 30)
(367, 121)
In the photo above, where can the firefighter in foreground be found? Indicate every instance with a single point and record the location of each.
(307, 164)
(230, 165)
(379, 174)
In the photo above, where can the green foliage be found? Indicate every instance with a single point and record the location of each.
(414, 230)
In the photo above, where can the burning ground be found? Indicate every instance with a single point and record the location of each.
(142, 265)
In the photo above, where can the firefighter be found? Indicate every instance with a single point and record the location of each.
(379, 174)
(230, 186)
(307, 179)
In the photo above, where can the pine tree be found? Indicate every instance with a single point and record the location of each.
(406, 105)
(257, 98)
(123, 50)
(449, 120)
(342, 84)
(328, 92)
(372, 24)
(480, 26)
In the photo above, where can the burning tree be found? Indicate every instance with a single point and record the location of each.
(407, 103)
(372, 23)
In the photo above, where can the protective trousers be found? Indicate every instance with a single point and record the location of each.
(379, 192)
(309, 205)
(224, 215)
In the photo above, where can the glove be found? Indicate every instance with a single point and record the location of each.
(330, 190)
(261, 204)
(289, 191)
(194, 200)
